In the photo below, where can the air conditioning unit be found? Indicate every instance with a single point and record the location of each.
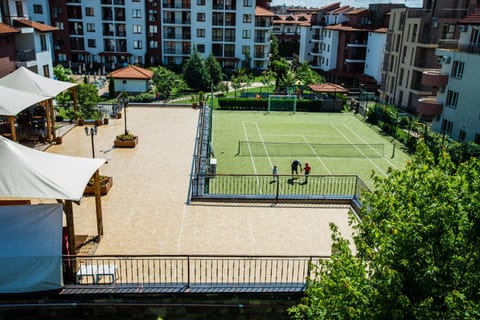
(445, 59)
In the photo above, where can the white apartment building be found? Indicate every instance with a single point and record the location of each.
(458, 97)
(374, 58)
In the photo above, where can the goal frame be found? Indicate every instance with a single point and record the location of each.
(283, 96)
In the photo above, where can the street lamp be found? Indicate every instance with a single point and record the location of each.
(92, 131)
(125, 105)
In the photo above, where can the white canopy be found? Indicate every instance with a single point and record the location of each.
(13, 101)
(28, 173)
(25, 80)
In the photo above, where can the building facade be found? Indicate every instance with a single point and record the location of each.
(25, 42)
(413, 36)
(114, 33)
(455, 105)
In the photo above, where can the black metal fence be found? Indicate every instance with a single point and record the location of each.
(189, 271)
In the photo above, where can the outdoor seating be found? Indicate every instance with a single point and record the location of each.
(97, 271)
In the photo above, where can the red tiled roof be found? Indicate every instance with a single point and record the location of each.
(472, 18)
(328, 88)
(6, 29)
(132, 72)
(35, 25)
(262, 12)
(340, 10)
(356, 11)
(300, 19)
(342, 27)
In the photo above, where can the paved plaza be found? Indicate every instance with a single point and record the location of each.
(147, 212)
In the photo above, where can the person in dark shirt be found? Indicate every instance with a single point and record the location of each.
(296, 164)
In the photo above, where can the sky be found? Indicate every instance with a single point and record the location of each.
(353, 3)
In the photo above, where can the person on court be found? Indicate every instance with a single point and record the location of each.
(307, 170)
(296, 164)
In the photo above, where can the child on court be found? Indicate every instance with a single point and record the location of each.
(307, 170)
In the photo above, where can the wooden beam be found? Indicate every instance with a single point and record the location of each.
(52, 119)
(13, 130)
(68, 209)
(98, 205)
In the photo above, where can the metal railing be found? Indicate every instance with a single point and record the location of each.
(186, 271)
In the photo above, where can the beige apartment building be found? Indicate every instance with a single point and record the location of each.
(413, 36)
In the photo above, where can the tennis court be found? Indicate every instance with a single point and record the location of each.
(332, 143)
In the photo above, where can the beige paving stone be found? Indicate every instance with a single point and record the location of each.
(146, 211)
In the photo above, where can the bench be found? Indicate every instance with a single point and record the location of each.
(97, 271)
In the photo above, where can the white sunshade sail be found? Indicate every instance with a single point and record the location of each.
(28, 81)
(28, 173)
(14, 101)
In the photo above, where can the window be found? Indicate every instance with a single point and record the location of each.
(246, 34)
(91, 43)
(229, 50)
(90, 27)
(457, 69)
(461, 135)
(414, 33)
(452, 99)
(43, 42)
(247, 18)
(247, 3)
(217, 35)
(201, 48)
(448, 31)
(137, 28)
(62, 57)
(137, 44)
(200, 16)
(59, 25)
(153, 28)
(152, 15)
(200, 2)
(200, 33)
(89, 11)
(136, 13)
(37, 8)
(447, 126)
(153, 44)
(19, 7)
(245, 49)
(477, 138)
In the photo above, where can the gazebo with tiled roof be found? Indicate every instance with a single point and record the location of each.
(131, 79)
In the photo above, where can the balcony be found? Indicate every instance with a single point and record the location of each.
(26, 58)
(470, 48)
(429, 107)
(434, 78)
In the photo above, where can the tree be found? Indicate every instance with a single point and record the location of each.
(281, 70)
(166, 81)
(418, 243)
(62, 73)
(307, 76)
(88, 99)
(195, 74)
(214, 69)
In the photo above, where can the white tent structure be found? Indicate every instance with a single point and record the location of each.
(28, 173)
(28, 81)
(14, 101)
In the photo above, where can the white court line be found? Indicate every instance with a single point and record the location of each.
(263, 143)
(317, 155)
(251, 157)
(349, 141)
(361, 138)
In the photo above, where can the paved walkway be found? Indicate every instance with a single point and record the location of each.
(145, 212)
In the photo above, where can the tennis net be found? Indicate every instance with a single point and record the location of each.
(284, 149)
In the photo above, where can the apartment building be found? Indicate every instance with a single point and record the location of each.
(345, 44)
(113, 33)
(455, 107)
(413, 36)
(287, 28)
(24, 42)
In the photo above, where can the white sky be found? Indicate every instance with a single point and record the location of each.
(353, 3)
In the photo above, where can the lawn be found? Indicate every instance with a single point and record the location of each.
(301, 132)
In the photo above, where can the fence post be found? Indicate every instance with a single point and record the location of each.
(278, 188)
(188, 272)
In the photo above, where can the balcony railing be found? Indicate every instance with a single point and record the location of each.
(26, 55)
(470, 48)
(182, 272)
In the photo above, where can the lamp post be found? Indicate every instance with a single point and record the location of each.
(125, 105)
(92, 131)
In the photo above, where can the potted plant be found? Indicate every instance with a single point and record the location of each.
(106, 183)
(125, 141)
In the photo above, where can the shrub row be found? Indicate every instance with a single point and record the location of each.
(303, 105)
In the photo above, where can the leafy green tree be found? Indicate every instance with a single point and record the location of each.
(87, 100)
(166, 81)
(247, 62)
(307, 75)
(111, 88)
(62, 73)
(214, 69)
(195, 73)
(283, 76)
(418, 243)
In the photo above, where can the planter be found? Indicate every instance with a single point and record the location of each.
(58, 140)
(105, 121)
(80, 122)
(119, 115)
(98, 122)
(104, 188)
(125, 143)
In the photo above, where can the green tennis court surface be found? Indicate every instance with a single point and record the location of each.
(252, 142)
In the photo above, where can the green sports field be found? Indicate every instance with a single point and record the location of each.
(331, 143)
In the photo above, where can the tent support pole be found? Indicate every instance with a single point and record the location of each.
(98, 205)
(13, 130)
(74, 92)
(68, 208)
(52, 119)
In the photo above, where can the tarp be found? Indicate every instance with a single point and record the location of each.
(28, 81)
(13, 101)
(31, 250)
(28, 173)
